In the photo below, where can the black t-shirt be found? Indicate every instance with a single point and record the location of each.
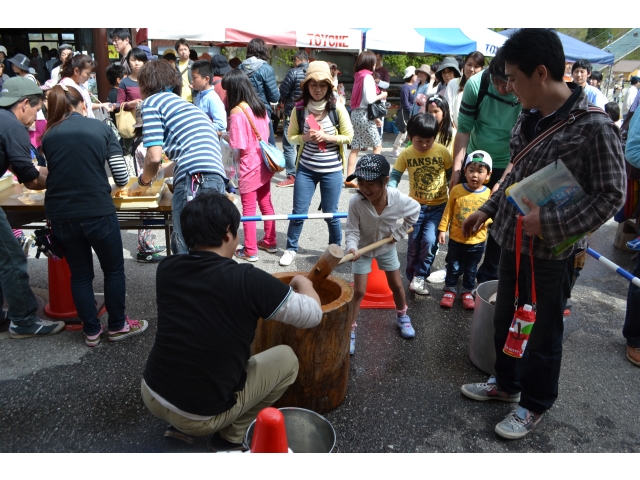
(15, 148)
(208, 310)
(77, 185)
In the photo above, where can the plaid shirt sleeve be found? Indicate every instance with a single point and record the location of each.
(599, 169)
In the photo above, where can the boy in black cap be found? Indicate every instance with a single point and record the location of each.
(220, 68)
(373, 216)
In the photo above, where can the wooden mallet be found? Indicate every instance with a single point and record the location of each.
(368, 248)
(334, 256)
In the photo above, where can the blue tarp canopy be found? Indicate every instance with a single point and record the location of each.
(432, 40)
(575, 49)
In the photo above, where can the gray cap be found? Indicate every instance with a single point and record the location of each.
(21, 61)
(17, 87)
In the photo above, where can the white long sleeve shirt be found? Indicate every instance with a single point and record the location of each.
(365, 226)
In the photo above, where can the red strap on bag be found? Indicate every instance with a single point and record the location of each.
(519, 235)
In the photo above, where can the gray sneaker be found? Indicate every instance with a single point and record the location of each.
(417, 286)
(41, 328)
(488, 391)
(514, 427)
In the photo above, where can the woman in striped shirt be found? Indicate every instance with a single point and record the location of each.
(322, 127)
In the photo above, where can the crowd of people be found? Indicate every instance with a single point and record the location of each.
(473, 132)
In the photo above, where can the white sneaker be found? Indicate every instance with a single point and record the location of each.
(287, 258)
(437, 277)
(417, 286)
(394, 154)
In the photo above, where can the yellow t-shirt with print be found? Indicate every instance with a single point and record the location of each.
(462, 203)
(427, 173)
(183, 68)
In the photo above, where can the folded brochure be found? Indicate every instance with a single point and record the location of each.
(552, 186)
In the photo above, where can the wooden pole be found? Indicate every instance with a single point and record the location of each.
(325, 265)
(101, 53)
(368, 248)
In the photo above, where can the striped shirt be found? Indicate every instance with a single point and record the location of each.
(185, 133)
(315, 160)
(590, 148)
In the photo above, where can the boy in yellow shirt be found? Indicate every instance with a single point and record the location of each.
(427, 163)
(464, 254)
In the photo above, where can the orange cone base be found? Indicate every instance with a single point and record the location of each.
(61, 304)
(378, 294)
(269, 433)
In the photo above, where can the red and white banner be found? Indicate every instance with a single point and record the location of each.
(319, 39)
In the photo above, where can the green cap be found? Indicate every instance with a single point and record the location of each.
(17, 87)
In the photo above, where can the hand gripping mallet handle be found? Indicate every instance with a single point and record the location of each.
(368, 248)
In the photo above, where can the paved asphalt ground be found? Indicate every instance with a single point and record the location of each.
(57, 395)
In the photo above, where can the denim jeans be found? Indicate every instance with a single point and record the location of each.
(631, 329)
(462, 259)
(303, 190)
(536, 374)
(290, 151)
(14, 279)
(489, 268)
(77, 238)
(422, 245)
(211, 182)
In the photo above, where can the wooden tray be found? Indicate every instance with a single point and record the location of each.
(147, 201)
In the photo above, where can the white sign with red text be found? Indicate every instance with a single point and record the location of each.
(347, 39)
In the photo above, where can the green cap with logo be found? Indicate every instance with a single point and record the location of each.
(17, 87)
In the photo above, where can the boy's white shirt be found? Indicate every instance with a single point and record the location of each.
(365, 226)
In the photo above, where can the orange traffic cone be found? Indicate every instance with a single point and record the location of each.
(269, 432)
(60, 300)
(378, 294)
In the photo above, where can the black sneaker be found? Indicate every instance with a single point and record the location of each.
(149, 257)
(41, 328)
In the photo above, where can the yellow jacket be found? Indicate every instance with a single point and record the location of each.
(345, 132)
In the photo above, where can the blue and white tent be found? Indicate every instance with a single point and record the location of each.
(454, 41)
(574, 49)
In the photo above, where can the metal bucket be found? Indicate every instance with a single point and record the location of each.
(307, 431)
(482, 351)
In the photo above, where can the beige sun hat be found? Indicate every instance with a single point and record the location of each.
(424, 68)
(318, 71)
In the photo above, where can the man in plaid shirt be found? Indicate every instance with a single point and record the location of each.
(590, 148)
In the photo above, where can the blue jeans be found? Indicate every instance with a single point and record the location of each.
(422, 245)
(211, 182)
(462, 259)
(290, 151)
(14, 279)
(536, 374)
(303, 190)
(77, 238)
(631, 329)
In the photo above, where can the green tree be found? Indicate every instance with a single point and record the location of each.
(597, 36)
(397, 63)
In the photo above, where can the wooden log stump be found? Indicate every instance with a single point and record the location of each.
(322, 351)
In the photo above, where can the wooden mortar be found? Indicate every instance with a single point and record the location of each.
(322, 351)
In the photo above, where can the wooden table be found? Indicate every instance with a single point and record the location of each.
(21, 215)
